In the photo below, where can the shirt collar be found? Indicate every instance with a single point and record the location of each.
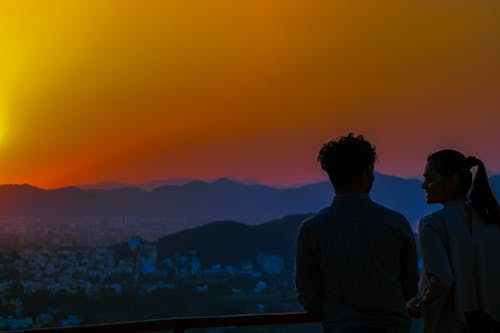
(351, 197)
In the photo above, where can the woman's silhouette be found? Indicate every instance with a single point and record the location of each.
(460, 243)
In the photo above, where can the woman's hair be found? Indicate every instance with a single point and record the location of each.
(450, 162)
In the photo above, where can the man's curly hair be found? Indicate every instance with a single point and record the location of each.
(346, 158)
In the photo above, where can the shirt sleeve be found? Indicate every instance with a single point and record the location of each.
(434, 255)
(308, 283)
(409, 263)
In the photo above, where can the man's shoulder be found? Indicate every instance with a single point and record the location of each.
(388, 213)
(315, 220)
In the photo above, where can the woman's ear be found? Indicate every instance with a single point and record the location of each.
(453, 183)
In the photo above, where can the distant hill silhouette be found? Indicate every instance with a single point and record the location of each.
(495, 184)
(232, 243)
(200, 202)
(151, 185)
(104, 186)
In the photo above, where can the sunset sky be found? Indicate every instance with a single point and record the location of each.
(133, 91)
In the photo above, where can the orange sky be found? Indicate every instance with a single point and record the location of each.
(133, 91)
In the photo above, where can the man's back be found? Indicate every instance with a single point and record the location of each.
(356, 264)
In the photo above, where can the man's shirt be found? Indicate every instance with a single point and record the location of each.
(356, 264)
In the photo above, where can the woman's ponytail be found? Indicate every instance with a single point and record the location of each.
(481, 195)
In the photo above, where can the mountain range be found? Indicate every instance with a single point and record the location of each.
(198, 202)
(151, 185)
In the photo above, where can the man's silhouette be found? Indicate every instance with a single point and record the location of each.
(356, 263)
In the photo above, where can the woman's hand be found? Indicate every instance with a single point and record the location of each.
(414, 305)
(414, 310)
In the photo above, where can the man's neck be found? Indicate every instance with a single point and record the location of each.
(351, 191)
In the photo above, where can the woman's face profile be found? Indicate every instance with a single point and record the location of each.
(434, 185)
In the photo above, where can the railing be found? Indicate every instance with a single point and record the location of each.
(179, 325)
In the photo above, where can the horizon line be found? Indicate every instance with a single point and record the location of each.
(181, 181)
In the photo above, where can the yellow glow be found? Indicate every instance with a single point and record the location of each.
(3, 128)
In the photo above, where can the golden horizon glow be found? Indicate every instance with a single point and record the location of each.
(134, 91)
(3, 128)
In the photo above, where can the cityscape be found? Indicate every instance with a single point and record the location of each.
(72, 267)
(60, 285)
